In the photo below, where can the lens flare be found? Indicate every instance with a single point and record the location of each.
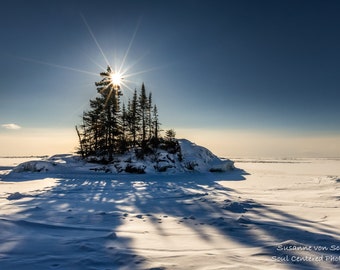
(116, 80)
(119, 75)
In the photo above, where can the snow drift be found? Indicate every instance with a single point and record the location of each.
(190, 157)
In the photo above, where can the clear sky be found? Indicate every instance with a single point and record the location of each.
(240, 77)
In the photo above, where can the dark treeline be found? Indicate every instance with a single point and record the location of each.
(110, 128)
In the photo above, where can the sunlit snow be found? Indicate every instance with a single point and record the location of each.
(57, 213)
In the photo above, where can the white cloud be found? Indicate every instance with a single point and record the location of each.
(11, 126)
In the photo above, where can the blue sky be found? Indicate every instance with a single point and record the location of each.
(214, 67)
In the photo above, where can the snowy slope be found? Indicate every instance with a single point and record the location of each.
(201, 159)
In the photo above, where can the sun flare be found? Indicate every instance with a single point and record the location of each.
(116, 79)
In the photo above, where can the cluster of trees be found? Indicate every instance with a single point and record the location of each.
(109, 128)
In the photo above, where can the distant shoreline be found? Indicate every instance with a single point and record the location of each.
(43, 156)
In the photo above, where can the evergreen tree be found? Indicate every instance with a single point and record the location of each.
(170, 134)
(124, 140)
(133, 118)
(155, 123)
(108, 128)
(149, 116)
(111, 93)
(143, 105)
(93, 127)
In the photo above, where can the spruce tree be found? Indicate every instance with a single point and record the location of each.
(124, 140)
(170, 134)
(143, 105)
(133, 118)
(111, 93)
(92, 137)
(155, 123)
(149, 116)
(108, 128)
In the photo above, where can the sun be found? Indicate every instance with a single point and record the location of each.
(116, 80)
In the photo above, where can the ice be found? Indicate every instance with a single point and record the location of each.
(264, 214)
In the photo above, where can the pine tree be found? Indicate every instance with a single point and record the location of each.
(155, 123)
(133, 118)
(170, 134)
(108, 128)
(93, 135)
(143, 105)
(149, 116)
(111, 93)
(124, 140)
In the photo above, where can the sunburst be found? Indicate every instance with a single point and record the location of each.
(121, 72)
(118, 72)
(116, 80)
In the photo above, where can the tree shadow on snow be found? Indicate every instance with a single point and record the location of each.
(79, 223)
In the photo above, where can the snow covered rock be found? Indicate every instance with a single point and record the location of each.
(164, 161)
(137, 167)
(35, 166)
(195, 157)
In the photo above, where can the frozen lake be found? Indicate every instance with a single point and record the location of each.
(268, 214)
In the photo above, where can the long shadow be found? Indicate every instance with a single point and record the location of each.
(76, 224)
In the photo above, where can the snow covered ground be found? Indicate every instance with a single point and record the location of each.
(269, 214)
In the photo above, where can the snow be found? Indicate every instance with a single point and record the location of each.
(267, 214)
(201, 159)
(193, 158)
